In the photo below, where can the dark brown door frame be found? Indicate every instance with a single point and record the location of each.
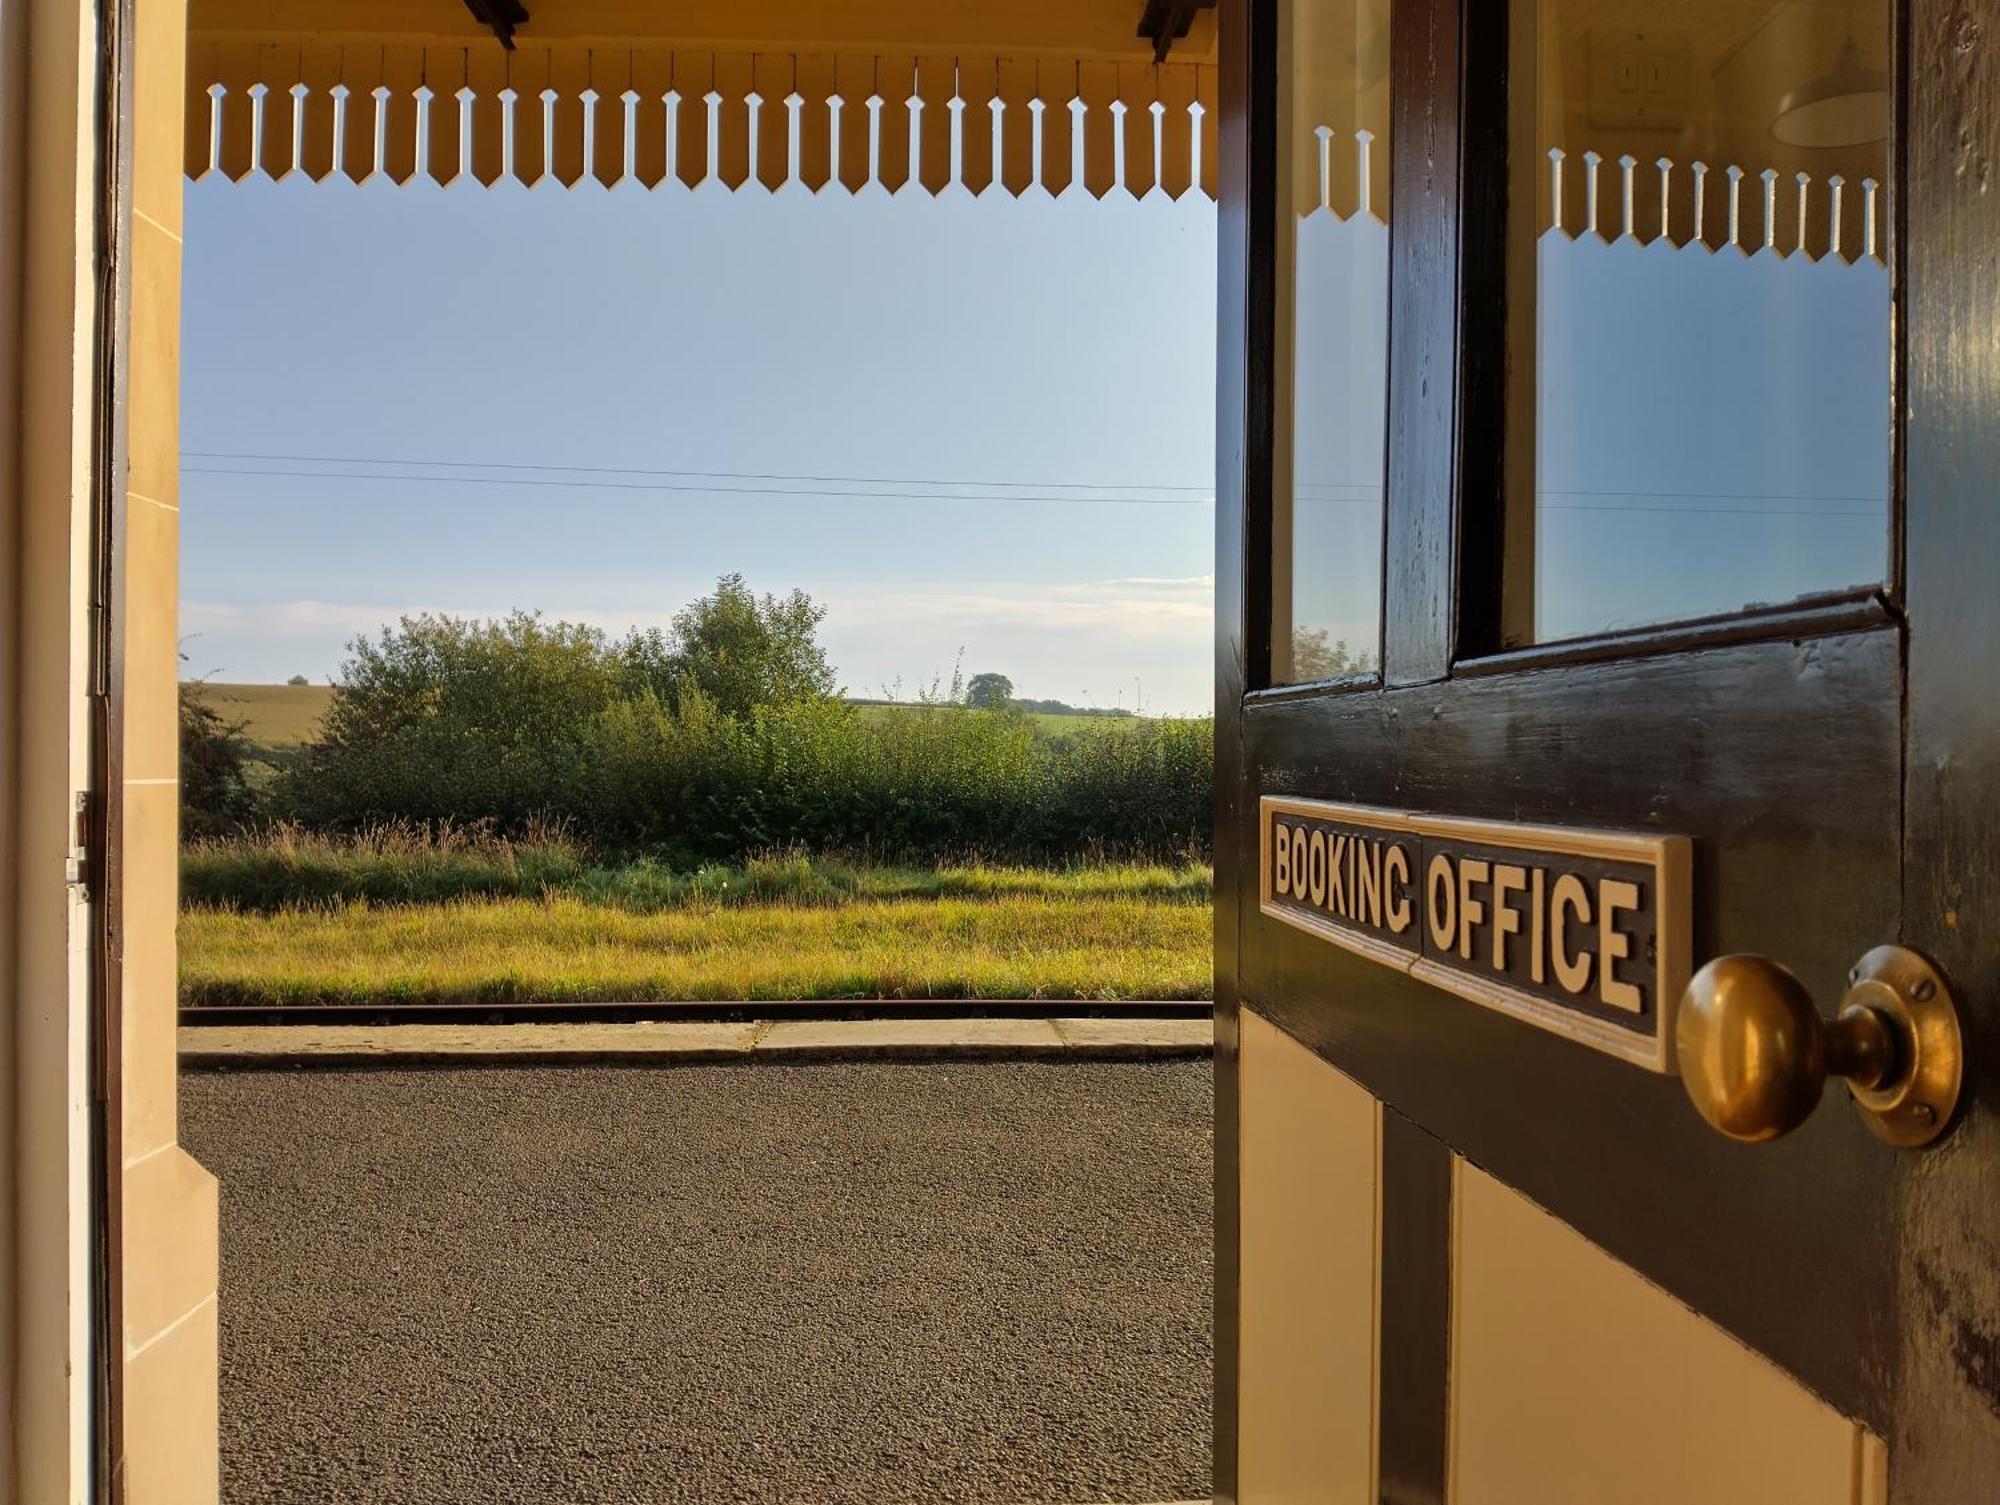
(1245, 225)
(1426, 230)
(1944, 1440)
(99, 837)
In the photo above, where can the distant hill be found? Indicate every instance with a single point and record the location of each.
(1032, 707)
(274, 716)
(1050, 716)
(1064, 708)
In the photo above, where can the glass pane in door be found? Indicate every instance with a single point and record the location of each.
(1699, 309)
(1332, 321)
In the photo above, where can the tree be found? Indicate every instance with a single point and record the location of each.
(215, 787)
(740, 650)
(989, 692)
(1313, 658)
(298, 679)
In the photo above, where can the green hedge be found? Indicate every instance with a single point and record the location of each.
(676, 749)
(910, 783)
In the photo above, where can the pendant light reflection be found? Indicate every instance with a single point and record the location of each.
(1846, 106)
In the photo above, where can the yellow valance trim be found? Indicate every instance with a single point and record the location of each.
(657, 116)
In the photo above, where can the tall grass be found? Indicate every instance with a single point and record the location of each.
(566, 949)
(394, 862)
(288, 867)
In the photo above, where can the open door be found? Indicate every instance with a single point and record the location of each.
(1606, 448)
(108, 1233)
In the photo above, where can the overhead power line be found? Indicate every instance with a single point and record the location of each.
(700, 488)
(1202, 492)
(1323, 494)
(871, 488)
(1710, 511)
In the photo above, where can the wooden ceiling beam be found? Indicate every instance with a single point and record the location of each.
(1087, 30)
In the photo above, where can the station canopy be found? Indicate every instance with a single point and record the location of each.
(1109, 96)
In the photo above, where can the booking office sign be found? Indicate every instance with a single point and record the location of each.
(1582, 932)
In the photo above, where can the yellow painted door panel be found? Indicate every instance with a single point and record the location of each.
(1309, 1137)
(1574, 1381)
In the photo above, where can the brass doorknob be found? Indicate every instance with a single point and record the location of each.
(1755, 1052)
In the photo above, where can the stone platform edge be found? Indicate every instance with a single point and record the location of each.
(259, 1046)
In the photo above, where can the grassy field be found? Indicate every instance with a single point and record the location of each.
(1054, 723)
(277, 717)
(520, 950)
(406, 915)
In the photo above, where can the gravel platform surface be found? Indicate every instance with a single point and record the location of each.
(955, 1281)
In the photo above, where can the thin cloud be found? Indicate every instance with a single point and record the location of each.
(1098, 617)
(1155, 582)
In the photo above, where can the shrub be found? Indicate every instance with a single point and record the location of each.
(215, 787)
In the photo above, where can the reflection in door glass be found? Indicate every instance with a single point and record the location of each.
(1699, 309)
(1333, 303)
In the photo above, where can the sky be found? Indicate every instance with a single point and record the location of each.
(585, 401)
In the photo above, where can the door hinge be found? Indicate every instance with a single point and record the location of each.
(77, 869)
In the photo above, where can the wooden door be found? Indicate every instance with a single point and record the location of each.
(1606, 463)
